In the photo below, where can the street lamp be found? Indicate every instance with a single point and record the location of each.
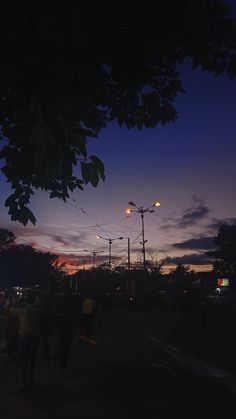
(93, 254)
(142, 211)
(110, 241)
(76, 277)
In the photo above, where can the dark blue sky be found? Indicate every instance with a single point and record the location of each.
(188, 165)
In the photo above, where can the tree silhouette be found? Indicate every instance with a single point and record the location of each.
(24, 266)
(180, 272)
(6, 237)
(225, 257)
(66, 73)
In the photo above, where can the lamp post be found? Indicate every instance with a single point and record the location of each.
(93, 254)
(141, 210)
(110, 241)
(76, 278)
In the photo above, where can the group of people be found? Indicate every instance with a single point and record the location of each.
(32, 320)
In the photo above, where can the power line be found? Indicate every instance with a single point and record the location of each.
(64, 226)
(50, 248)
(92, 220)
(75, 229)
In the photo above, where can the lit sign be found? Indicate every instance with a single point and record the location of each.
(223, 282)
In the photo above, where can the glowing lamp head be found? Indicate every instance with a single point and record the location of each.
(128, 211)
(156, 204)
(98, 237)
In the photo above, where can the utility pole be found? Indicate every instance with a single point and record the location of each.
(109, 263)
(142, 211)
(143, 242)
(94, 255)
(110, 241)
(128, 253)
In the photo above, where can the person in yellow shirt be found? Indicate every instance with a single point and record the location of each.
(87, 314)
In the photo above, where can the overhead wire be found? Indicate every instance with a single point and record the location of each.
(95, 226)
(90, 218)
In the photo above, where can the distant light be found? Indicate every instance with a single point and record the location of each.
(128, 211)
(98, 237)
(223, 282)
(131, 299)
(157, 204)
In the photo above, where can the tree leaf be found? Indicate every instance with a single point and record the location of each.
(94, 176)
(99, 166)
(85, 171)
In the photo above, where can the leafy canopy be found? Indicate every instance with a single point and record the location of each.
(66, 73)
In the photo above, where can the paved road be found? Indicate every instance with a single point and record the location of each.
(123, 372)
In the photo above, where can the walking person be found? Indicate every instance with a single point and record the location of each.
(12, 328)
(65, 315)
(45, 328)
(28, 312)
(87, 315)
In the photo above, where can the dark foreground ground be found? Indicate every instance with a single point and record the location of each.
(138, 364)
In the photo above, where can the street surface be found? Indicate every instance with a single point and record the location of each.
(126, 370)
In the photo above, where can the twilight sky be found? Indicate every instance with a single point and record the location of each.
(189, 166)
